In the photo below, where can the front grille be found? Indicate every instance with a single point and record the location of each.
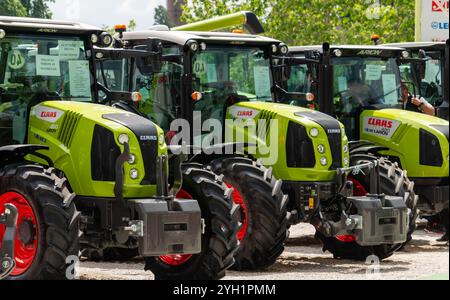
(68, 127)
(263, 131)
(299, 147)
(104, 154)
(430, 150)
(335, 140)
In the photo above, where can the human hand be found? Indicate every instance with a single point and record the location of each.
(416, 101)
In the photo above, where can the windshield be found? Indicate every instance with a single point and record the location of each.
(360, 82)
(38, 68)
(231, 74)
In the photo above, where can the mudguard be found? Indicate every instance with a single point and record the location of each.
(16, 153)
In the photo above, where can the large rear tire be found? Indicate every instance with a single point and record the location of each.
(219, 242)
(265, 216)
(394, 182)
(48, 226)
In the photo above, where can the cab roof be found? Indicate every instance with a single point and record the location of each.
(16, 24)
(419, 45)
(182, 37)
(319, 48)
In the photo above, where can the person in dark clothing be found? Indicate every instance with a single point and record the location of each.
(415, 103)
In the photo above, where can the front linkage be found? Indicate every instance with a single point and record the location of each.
(9, 220)
(373, 219)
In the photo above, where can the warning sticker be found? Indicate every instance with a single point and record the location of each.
(47, 65)
(373, 72)
(384, 128)
(16, 60)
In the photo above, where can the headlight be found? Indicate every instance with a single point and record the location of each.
(314, 132)
(324, 161)
(321, 149)
(161, 139)
(274, 49)
(94, 38)
(346, 162)
(338, 53)
(106, 39)
(134, 174)
(284, 49)
(2, 34)
(405, 54)
(132, 159)
(346, 149)
(123, 138)
(193, 46)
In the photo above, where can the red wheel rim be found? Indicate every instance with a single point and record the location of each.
(178, 259)
(360, 191)
(346, 238)
(239, 199)
(24, 253)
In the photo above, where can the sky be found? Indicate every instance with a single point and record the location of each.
(106, 12)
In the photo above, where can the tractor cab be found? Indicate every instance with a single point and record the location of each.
(431, 74)
(51, 62)
(361, 78)
(207, 72)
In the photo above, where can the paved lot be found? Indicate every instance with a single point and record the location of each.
(303, 259)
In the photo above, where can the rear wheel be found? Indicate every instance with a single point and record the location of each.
(219, 242)
(48, 222)
(395, 182)
(264, 211)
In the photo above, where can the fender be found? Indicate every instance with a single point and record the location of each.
(16, 153)
(231, 148)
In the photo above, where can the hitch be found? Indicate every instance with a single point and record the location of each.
(9, 219)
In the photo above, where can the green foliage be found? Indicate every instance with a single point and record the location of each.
(305, 22)
(12, 8)
(26, 8)
(162, 16)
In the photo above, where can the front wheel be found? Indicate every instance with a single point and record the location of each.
(394, 182)
(219, 242)
(47, 235)
(264, 211)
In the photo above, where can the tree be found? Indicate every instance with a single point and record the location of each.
(12, 8)
(305, 22)
(26, 8)
(162, 16)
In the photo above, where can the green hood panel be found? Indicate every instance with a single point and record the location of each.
(285, 115)
(401, 132)
(68, 128)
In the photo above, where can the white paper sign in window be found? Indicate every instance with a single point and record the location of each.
(342, 83)
(80, 82)
(262, 82)
(47, 65)
(390, 89)
(69, 50)
(373, 72)
(211, 73)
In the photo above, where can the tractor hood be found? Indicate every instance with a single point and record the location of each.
(86, 140)
(311, 145)
(402, 117)
(420, 143)
(285, 111)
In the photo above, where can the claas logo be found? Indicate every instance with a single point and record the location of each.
(439, 6)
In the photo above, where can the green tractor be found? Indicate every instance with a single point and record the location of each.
(221, 85)
(76, 174)
(430, 73)
(361, 86)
